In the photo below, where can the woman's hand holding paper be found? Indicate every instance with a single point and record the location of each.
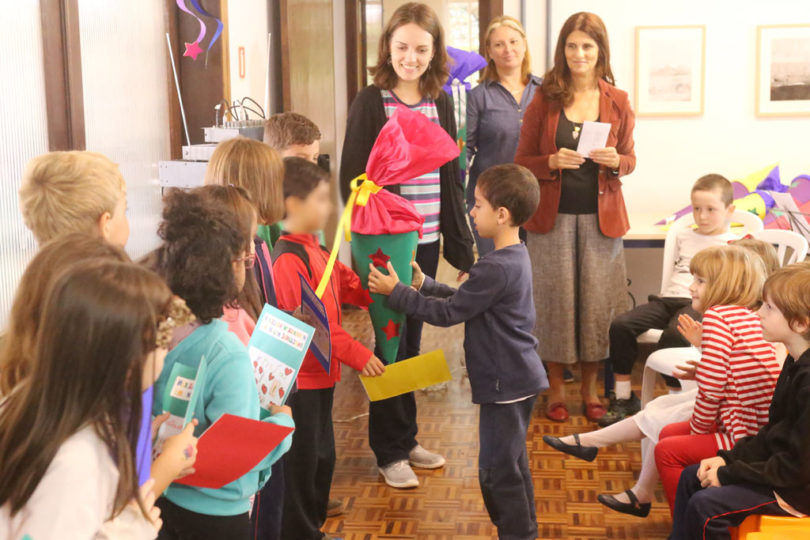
(607, 157)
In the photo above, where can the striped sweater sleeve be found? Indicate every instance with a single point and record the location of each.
(712, 372)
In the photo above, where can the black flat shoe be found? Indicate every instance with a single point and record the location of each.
(588, 453)
(633, 508)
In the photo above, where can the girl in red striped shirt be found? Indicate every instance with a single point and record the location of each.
(738, 369)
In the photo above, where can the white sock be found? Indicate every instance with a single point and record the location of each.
(623, 431)
(622, 389)
(648, 477)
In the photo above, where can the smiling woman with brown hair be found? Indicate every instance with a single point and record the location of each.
(575, 236)
(410, 71)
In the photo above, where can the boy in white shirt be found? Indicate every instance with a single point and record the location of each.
(712, 207)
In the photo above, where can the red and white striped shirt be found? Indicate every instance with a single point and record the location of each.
(736, 376)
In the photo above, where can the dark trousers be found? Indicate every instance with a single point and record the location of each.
(392, 424)
(706, 514)
(182, 524)
(660, 313)
(268, 505)
(309, 465)
(503, 468)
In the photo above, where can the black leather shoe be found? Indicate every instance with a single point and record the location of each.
(619, 409)
(633, 508)
(588, 453)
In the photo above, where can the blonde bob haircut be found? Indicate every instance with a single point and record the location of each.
(254, 167)
(788, 289)
(64, 192)
(490, 73)
(734, 276)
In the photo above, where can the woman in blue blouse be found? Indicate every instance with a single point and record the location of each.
(495, 107)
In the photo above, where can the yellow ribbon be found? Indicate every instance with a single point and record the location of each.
(362, 189)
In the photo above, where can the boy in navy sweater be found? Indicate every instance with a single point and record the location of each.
(496, 305)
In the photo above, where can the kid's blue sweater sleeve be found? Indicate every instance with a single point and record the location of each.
(484, 286)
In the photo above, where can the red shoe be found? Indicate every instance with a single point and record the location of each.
(557, 412)
(594, 411)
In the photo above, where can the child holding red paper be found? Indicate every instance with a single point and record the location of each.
(311, 460)
(496, 305)
(203, 258)
(68, 434)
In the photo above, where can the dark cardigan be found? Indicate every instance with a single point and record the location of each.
(366, 119)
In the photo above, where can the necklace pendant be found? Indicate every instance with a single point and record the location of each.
(575, 133)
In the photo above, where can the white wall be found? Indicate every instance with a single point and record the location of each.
(728, 138)
(247, 27)
(534, 21)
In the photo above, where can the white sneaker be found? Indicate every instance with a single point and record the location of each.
(421, 458)
(399, 475)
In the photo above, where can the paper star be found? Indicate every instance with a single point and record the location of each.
(391, 330)
(379, 258)
(192, 50)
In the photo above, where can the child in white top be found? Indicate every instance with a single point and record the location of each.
(712, 207)
(68, 432)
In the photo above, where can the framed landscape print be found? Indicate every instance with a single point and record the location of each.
(783, 70)
(670, 68)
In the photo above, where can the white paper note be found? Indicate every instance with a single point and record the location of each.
(594, 135)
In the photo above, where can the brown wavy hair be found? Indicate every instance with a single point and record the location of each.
(99, 324)
(200, 241)
(53, 258)
(432, 80)
(734, 276)
(237, 201)
(557, 81)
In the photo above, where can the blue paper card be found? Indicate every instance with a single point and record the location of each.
(277, 349)
(183, 390)
(315, 311)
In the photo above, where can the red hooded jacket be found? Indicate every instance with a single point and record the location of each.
(295, 254)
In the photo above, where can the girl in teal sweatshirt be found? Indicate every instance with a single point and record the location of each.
(204, 257)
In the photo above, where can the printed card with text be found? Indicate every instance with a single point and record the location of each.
(315, 311)
(183, 390)
(277, 349)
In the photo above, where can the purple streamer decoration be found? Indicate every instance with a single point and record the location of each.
(220, 26)
(182, 5)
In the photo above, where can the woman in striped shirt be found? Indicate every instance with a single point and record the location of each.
(738, 369)
(410, 72)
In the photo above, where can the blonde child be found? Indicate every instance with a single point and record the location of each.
(766, 473)
(84, 192)
(74, 191)
(259, 170)
(68, 433)
(726, 286)
(712, 207)
(203, 259)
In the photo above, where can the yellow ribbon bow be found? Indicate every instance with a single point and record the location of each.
(362, 188)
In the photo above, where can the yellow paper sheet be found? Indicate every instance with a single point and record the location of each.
(408, 375)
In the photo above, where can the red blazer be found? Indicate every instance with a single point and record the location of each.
(344, 288)
(537, 144)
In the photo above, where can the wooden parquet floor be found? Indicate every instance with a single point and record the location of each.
(448, 503)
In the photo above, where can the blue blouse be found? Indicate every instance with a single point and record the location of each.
(493, 125)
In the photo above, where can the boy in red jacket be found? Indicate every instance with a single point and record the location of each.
(311, 459)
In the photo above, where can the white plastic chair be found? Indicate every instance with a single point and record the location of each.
(751, 225)
(782, 239)
(664, 361)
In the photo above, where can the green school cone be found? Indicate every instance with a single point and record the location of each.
(379, 249)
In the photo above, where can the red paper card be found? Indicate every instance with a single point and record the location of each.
(231, 448)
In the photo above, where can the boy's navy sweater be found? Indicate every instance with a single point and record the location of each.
(778, 456)
(496, 305)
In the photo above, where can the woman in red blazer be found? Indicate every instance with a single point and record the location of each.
(575, 235)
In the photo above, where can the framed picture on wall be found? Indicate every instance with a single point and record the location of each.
(783, 70)
(670, 68)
